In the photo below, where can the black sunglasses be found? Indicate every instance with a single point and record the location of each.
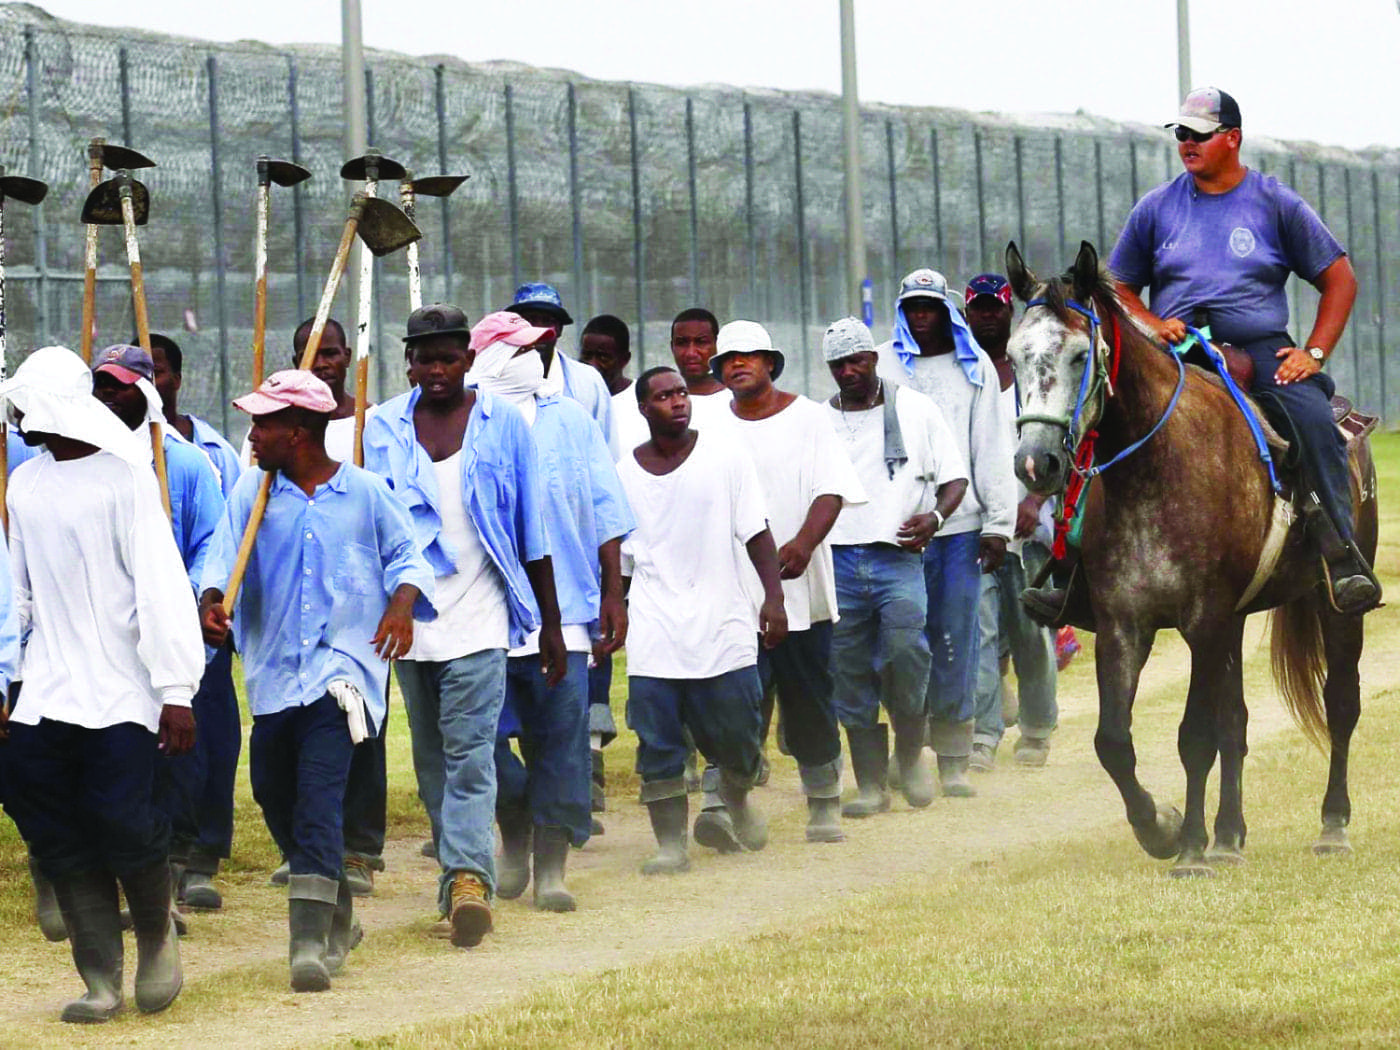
(1185, 134)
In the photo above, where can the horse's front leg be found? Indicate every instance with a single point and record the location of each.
(1120, 651)
(1342, 636)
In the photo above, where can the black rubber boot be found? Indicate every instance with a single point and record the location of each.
(552, 847)
(513, 865)
(750, 829)
(159, 976)
(88, 903)
(598, 802)
(345, 933)
(1352, 587)
(46, 909)
(669, 817)
(869, 749)
(915, 781)
(309, 922)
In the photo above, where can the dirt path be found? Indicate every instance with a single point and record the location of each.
(235, 962)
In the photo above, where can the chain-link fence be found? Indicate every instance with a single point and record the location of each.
(636, 200)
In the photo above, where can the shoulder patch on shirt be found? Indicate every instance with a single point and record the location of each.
(1241, 241)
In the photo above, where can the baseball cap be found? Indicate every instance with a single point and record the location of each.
(290, 388)
(993, 284)
(544, 296)
(745, 337)
(127, 363)
(923, 284)
(438, 319)
(505, 327)
(845, 338)
(1207, 109)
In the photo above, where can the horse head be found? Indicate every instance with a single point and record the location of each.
(1060, 361)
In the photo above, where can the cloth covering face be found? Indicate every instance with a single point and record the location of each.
(52, 389)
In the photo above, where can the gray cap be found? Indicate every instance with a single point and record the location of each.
(923, 284)
(437, 319)
(846, 337)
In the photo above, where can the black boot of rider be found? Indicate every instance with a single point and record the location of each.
(1352, 587)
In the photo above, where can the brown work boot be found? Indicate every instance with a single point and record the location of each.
(471, 914)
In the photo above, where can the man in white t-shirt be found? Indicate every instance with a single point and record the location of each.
(693, 642)
(1005, 625)
(693, 335)
(806, 479)
(914, 478)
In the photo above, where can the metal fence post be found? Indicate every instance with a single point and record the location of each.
(751, 232)
(1020, 197)
(514, 203)
(298, 228)
(1380, 287)
(1352, 340)
(1098, 190)
(1060, 194)
(691, 182)
(937, 196)
(638, 258)
(124, 82)
(440, 99)
(575, 208)
(802, 266)
(216, 199)
(981, 201)
(41, 247)
(1133, 167)
(894, 198)
(381, 366)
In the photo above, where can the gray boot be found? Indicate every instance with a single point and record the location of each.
(46, 909)
(952, 777)
(551, 853)
(869, 749)
(281, 875)
(311, 905)
(598, 801)
(824, 820)
(159, 975)
(346, 933)
(513, 865)
(750, 829)
(915, 783)
(88, 904)
(669, 817)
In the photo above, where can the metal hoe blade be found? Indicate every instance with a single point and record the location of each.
(103, 206)
(285, 173)
(385, 228)
(357, 169)
(123, 158)
(438, 185)
(29, 191)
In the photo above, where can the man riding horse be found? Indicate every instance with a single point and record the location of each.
(1216, 245)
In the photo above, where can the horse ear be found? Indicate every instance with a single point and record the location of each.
(1023, 281)
(1086, 272)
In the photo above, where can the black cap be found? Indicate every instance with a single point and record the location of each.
(438, 319)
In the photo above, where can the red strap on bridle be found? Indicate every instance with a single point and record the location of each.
(1083, 459)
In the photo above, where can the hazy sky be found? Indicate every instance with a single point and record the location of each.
(1300, 69)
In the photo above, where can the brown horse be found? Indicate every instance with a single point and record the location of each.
(1172, 538)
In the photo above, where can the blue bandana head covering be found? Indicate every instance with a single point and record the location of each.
(930, 284)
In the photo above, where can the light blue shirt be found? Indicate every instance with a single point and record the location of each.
(319, 579)
(196, 504)
(585, 385)
(9, 622)
(584, 503)
(16, 450)
(500, 485)
(220, 453)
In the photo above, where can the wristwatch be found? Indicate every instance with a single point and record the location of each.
(1317, 354)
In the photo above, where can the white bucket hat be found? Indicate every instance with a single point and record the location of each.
(745, 337)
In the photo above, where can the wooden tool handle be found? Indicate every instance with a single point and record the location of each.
(90, 257)
(245, 546)
(143, 334)
(361, 405)
(260, 294)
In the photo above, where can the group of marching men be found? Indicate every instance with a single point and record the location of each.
(520, 516)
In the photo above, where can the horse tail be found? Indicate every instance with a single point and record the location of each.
(1299, 664)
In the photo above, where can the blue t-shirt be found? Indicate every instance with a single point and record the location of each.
(1229, 252)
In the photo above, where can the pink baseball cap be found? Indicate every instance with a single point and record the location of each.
(290, 388)
(506, 327)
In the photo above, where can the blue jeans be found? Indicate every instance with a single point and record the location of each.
(299, 761)
(953, 579)
(879, 653)
(1005, 627)
(800, 668)
(555, 779)
(600, 717)
(722, 714)
(81, 798)
(453, 708)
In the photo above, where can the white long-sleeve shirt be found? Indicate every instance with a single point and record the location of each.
(114, 631)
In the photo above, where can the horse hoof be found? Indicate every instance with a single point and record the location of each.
(1161, 838)
(1332, 843)
(1229, 856)
(1191, 865)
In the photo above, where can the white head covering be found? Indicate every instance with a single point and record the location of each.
(52, 388)
(501, 369)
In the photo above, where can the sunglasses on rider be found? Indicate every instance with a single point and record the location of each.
(1185, 134)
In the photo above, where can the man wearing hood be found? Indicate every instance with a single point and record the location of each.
(546, 798)
(111, 664)
(123, 380)
(934, 352)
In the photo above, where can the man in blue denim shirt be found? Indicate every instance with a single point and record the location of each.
(333, 585)
(463, 462)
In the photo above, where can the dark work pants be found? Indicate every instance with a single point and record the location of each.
(81, 798)
(1308, 405)
(367, 799)
(800, 667)
(299, 760)
(196, 790)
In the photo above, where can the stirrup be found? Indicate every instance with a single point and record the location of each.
(1045, 605)
(1351, 592)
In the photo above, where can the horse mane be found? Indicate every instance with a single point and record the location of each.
(1057, 292)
